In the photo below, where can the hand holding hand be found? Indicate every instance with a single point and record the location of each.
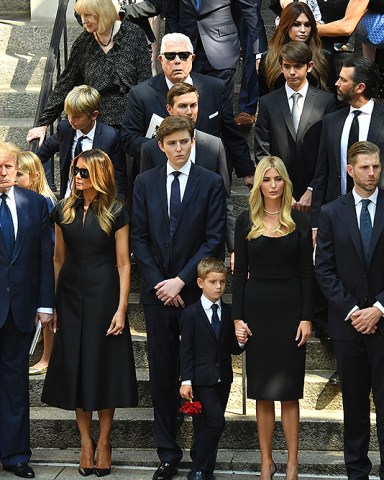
(365, 320)
(167, 290)
(242, 331)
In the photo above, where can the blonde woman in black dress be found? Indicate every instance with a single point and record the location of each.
(272, 305)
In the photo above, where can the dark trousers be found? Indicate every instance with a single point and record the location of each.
(14, 394)
(209, 425)
(360, 363)
(163, 339)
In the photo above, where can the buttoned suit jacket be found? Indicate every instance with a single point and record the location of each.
(199, 230)
(275, 134)
(26, 279)
(215, 117)
(327, 180)
(106, 138)
(213, 24)
(210, 154)
(204, 358)
(340, 268)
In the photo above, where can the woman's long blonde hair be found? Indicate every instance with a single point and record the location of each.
(281, 36)
(104, 9)
(256, 202)
(102, 176)
(30, 163)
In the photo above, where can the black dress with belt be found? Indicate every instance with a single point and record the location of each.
(273, 300)
(87, 369)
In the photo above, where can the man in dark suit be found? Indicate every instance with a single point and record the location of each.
(213, 33)
(294, 137)
(82, 131)
(26, 297)
(207, 341)
(350, 272)
(178, 218)
(362, 120)
(208, 150)
(149, 99)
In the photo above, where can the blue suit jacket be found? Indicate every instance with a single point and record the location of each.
(106, 138)
(199, 233)
(26, 279)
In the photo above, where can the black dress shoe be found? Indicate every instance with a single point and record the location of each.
(334, 379)
(196, 475)
(166, 470)
(22, 470)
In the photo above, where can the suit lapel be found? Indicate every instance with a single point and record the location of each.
(98, 137)
(375, 127)
(337, 129)
(205, 319)
(200, 151)
(22, 208)
(348, 214)
(202, 99)
(309, 103)
(378, 224)
(160, 85)
(161, 182)
(282, 101)
(192, 182)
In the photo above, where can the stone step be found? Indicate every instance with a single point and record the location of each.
(22, 69)
(237, 465)
(15, 130)
(15, 8)
(133, 428)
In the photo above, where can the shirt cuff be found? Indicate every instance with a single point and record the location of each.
(45, 310)
(380, 307)
(186, 382)
(350, 312)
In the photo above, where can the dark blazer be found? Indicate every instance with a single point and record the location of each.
(106, 138)
(275, 135)
(199, 233)
(327, 183)
(340, 268)
(213, 25)
(26, 279)
(215, 117)
(210, 154)
(204, 359)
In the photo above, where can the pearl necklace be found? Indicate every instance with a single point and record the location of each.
(109, 41)
(271, 213)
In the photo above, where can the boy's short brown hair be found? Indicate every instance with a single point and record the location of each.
(212, 264)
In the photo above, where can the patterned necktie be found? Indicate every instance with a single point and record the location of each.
(6, 225)
(296, 111)
(79, 146)
(215, 319)
(365, 228)
(175, 202)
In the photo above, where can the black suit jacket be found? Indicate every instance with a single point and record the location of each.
(327, 183)
(199, 233)
(210, 154)
(106, 138)
(215, 117)
(340, 268)
(204, 359)
(275, 135)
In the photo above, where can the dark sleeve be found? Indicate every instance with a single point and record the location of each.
(262, 132)
(147, 8)
(45, 274)
(172, 16)
(187, 344)
(263, 89)
(240, 274)
(55, 215)
(145, 157)
(49, 147)
(117, 157)
(332, 77)
(122, 219)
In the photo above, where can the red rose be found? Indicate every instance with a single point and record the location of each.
(191, 408)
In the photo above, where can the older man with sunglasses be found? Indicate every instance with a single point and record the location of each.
(149, 99)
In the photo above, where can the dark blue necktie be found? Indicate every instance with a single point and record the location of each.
(79, 146)
(215, 319)
(365, 228)
(175, 202)
(6, 224)
(198, 5)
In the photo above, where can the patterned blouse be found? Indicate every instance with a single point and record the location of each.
(112, 74)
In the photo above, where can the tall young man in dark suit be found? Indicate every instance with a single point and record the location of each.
(207, 341)
(291, 129)
(350, 272)
(178, 218)
(26, 297)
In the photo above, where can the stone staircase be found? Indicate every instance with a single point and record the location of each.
(54, 437)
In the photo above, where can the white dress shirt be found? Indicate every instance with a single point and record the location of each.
(300, 102)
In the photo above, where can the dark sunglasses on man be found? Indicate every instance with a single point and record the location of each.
(84, 172)
(182, 55)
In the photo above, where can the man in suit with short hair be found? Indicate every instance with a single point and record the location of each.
(26, 297)
(350, 271)
(178, 218)
(216, 113)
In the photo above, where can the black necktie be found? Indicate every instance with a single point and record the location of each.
(175, 202)
(6, 224)
(79, 146)
(353, 138)
(215, 319)
(365, 228)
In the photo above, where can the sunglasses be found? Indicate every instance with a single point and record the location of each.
(84, 172)
(182, 55)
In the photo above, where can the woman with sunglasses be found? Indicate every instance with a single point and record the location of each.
(110, 55)
(92, 366)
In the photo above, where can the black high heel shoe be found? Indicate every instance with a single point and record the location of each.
(103, 472)
(86, 472)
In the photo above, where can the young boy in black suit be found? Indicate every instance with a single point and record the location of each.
(82, 131)
(207, 341)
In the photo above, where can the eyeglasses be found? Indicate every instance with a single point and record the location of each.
(182, 55)
(84, 172)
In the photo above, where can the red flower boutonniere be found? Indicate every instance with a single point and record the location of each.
(191, 408)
